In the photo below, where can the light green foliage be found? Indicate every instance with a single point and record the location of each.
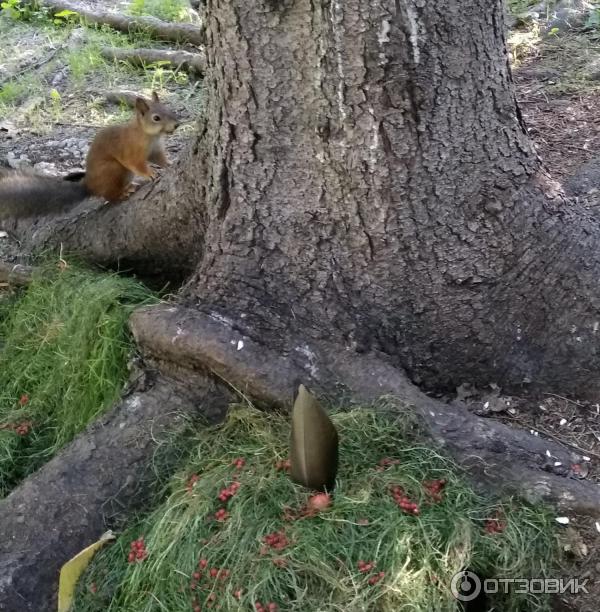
(65, 17)
(64, 347)
(27, 11)
(19, 10)
(84, 61)
(56, 103)
(593, 20)
(318, 569)
(161, 74)
(168, 10)
(12, 91)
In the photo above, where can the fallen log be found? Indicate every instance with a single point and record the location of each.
(126, 98)
(162, 30)
(194, 63)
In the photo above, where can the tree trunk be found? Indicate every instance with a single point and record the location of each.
(369, 179)
(361, 198)
(362, 174)
(362, 178)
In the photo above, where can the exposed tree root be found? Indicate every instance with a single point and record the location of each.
(121, 97)
(495, 455)
(153, 232)
(191, 62)
(104, 475)
(177, 32)
(15, 274)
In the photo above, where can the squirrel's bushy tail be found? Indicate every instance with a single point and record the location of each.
(25, 194)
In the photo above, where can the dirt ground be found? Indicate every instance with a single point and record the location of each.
(558, 89)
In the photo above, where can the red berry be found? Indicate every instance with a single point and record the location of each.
(131, 557)
(196, 575)
(214, 572)
(203, 563)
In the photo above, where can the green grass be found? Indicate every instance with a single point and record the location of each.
(517, 7)
(19, 89)
(12, 92)
(318, 570)
(64, 346)
(86, 60)
(168, 10)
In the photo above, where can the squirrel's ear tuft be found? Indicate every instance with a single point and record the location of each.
(155, 97)
(141, 105)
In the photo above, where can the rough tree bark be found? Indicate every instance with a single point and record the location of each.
(362, 199)
(370, 180)
(365, 162)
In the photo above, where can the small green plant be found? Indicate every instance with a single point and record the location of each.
(56, 101)
(11, 92)
(84, 61)
(20, 11)
(65, 17)
(13, 7)
(168, 10)
(162, 73)
(593, 20)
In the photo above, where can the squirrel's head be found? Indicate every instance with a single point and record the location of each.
(155, 117)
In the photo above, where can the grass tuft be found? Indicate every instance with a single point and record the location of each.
(64, 347)
(318, 568)
(167, 10)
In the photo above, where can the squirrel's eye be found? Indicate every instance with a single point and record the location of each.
(156, 118)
